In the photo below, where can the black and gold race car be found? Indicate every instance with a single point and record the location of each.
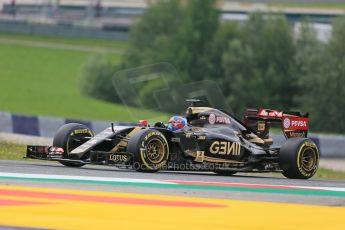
(212, 140)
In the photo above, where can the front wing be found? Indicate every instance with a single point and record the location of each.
(95, 157)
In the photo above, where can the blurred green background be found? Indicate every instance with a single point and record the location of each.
(258, 62)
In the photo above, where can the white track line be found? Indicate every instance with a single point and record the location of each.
(82, 178)
(152, 181)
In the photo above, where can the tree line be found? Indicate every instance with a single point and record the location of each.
(260, 62)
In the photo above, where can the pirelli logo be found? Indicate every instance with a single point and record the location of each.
(225, 148)
(81, 131)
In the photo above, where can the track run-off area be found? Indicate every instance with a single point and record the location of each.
(50, 196)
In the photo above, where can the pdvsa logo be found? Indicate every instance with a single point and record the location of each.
(299, 123)
(295, 123)
(287, 123)
(213, 119)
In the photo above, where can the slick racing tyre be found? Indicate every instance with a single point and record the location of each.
(150, 150)
(69, 137)
(299, 158)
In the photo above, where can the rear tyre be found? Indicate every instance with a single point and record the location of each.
(150, 150)
(69, 137)
(299, 158)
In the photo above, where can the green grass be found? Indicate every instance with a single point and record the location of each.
(43, 81)
(9, 151)
(70, 41)
(323, 173)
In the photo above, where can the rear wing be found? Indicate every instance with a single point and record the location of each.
(294, 124)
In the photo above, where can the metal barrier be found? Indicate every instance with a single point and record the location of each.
(69, 31)
(44, 126)
(330, 145)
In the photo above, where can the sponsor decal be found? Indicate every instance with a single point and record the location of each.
(296, 134)
(286, 123)
(225, 148)
(295, 123)
(56, 151)
(261, 126)
(223, 120)
(203, 137)
(299, 123)
(115, 157)
(81, 131)
(199, 156)
(189, 135)
(310, 144)
(175, 139)
(152, 134)
(213, 119)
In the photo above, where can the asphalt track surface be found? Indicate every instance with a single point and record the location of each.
(53, 169)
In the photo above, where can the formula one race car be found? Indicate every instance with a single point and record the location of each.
(211, 140)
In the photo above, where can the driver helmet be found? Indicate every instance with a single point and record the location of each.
(176, 123)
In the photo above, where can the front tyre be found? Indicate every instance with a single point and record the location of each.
(150, 150)
(299, 158)
(69, 137)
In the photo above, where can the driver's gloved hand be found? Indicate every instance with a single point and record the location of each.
(159, 124)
